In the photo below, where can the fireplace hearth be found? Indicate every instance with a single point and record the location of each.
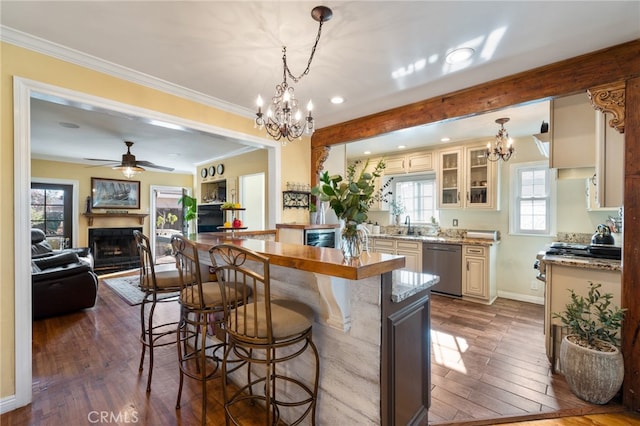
(113, 249)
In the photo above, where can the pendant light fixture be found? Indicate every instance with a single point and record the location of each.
(283, 120)
(503, 145)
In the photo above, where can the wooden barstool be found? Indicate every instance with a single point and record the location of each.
(153, 284)
(201, 310)
(255, 331)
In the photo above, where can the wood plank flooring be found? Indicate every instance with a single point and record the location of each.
(487, 361)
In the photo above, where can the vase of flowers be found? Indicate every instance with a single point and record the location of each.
(397, 208)
(350, 198)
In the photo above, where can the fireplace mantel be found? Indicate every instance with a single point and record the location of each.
(91, 216)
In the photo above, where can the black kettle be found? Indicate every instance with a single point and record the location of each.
(602, 235)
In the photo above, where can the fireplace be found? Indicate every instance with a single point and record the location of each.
(113, 249)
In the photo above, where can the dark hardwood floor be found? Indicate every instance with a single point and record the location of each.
(487, 361)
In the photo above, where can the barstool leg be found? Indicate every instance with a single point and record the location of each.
(143, 333)
(179, 339)
(151, 342)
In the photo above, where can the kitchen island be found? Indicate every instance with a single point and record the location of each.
(371, 328)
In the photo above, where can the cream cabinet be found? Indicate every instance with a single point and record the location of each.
(573, 133)
(449, 178)
(479, 273)
(466, 179)
(608, 181)
(411, 250)
(413, 162)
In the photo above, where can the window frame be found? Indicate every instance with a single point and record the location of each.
(412, 178)
(515, 195)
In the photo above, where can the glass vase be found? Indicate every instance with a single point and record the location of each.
(353, 241)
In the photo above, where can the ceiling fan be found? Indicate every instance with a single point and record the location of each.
(129, 165)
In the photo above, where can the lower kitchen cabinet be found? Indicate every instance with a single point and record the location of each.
(411, 250)
(478, 273)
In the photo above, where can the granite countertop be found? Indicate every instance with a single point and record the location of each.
(436, 239)
(583, 262)
(306, 226)
(407, 283)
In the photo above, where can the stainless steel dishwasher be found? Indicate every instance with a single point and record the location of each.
(444, 260)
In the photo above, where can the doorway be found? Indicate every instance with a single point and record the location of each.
(252, 192)
(166, 220)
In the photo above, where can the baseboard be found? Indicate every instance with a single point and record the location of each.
(521, 297)
(8, 403)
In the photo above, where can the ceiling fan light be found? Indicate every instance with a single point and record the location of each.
(129, 171)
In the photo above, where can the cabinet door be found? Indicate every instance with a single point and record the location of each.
(383, 246)
(412, 251)
(573, 132)
(474, 282)
(420, 162)
(449, 179)
(609, 177)
(481, 179)
(395, 165)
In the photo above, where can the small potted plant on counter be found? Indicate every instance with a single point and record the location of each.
(397, 208)
(590, 357)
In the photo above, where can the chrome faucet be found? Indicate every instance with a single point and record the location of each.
(407, 221)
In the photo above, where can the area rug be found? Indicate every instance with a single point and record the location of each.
(127, 288)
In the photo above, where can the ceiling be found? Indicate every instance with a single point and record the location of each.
(225, 53)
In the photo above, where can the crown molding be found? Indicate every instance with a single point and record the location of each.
(45, 47)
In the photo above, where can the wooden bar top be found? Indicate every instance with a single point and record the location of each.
(322, 260)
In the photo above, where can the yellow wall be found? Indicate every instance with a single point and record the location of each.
(83, 174)
(16, 61)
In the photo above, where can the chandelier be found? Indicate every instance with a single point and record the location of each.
(503, 145)
(283, 119)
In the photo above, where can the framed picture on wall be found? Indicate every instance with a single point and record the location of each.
(115, 194)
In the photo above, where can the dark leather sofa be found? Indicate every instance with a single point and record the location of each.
(61, 281)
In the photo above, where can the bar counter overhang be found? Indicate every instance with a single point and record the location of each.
(371, 328)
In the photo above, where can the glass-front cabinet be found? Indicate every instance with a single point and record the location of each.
(449, 179)
(467, 179)
(477, 177)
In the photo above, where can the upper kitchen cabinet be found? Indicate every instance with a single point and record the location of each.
(609, 177)
(466, 179)
(449, 178)
(410, 163)
(573, 133)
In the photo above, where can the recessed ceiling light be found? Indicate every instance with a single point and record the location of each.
(402, 146)
(336, 100)
(459, 55)
(367, 152)
(69, 125)
(445, 140)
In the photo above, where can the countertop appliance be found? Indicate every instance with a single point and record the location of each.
(601, 251)
(210, 217)
(320, 237)
(602, 236)
(444, 260)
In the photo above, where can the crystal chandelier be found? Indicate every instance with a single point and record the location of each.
(503, 146)
(283, 120)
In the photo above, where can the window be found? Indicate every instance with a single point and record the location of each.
(532, 199)
(418, 196)
(51, 211)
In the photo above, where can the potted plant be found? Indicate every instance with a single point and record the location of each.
(190, 205)
(590, 357)
(350, 198)
(397, 208)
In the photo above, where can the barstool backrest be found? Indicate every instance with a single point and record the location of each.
(242, 273)
(147, 269)
(186, 252)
